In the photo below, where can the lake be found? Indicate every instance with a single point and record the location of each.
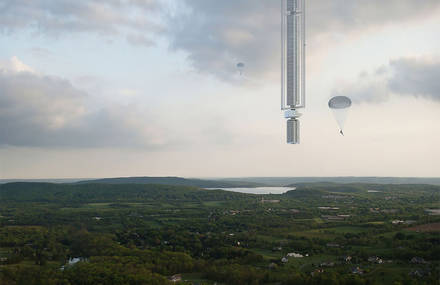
(258, 190)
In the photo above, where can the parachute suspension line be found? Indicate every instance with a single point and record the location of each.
(340, 105)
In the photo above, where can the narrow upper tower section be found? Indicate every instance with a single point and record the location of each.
(293, 23)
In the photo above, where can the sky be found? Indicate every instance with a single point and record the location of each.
(93, 88)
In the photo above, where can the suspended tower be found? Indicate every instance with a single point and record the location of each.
(293, 44)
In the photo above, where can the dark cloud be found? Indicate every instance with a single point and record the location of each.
(345, 15)
(45, 111)
(405, 77)
(214, 34)
(416, 77)
(218, 34)
(130, 18)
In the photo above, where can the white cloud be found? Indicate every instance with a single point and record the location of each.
(133, 19)
(166, 106)
(214, 34)
(14, 65)
(218, 34)
(418, 77)
(40, 110)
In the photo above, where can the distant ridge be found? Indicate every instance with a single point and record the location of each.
(240, 181)
(283, 181)
(78, 193)
(175, 181)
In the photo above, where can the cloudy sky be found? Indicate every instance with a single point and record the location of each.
(92, 88)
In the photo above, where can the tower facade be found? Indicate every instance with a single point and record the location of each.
(293, 65)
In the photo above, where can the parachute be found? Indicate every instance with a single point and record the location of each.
(240, 67)
(340, 106)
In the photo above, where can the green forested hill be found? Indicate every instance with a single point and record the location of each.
(361, 187)
(347, 234)
(177, 181)
(82, 193)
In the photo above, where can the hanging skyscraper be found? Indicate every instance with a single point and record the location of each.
(293, 65)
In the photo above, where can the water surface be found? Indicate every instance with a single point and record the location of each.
(257, 190)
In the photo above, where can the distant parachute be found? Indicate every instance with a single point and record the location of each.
(240, 67)
(340, 106)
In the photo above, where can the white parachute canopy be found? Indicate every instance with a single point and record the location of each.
(240, 67)
(340, 106)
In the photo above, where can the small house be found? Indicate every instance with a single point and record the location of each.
(295, 255)
(176, 278)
